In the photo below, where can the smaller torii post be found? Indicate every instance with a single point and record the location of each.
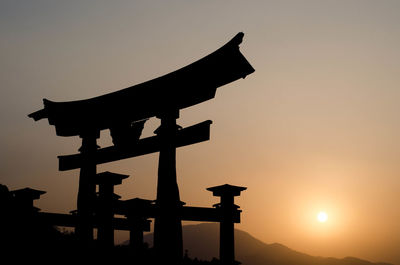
(137, 211)
(227, 207)
(22, 221)
(105, 206)
(24, 198)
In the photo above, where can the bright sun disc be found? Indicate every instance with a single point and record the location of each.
(322, 217)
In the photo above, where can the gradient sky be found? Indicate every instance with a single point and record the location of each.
(316, 127)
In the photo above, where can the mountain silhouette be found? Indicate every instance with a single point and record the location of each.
(202, 241)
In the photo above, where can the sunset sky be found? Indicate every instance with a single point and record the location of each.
(315, 128)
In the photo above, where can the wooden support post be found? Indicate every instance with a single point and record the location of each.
(168, 226)
(87, 190)
(23, 230)
(137, 211)
(227, 231)
(136, 235)
(23, 199)
(105, 232)
(105, 206)
(136, 242)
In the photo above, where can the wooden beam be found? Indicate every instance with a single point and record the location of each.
(69, 220)
(188, 213)
(58, 219)
(186, 136)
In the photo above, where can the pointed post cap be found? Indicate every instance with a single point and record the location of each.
(109, 178)
(226, 190)
(27, 193)
(138, 203)
(134, 207)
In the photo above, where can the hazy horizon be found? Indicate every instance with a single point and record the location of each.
(315, 128)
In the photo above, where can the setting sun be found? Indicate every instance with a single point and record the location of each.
(322, 217)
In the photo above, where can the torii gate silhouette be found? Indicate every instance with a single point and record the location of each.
(124, 113)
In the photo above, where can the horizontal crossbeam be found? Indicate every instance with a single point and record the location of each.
(186, 136)
(188, 213)
(70, 220)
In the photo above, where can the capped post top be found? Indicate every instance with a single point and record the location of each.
(135, 207)
(138, 202)
(226, 190)
(108, 177)
(27, 193)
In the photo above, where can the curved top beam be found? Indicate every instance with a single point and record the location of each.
(190, 85)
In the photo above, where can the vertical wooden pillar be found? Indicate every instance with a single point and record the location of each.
(105, 206)
(168, 227)
(139, 225)
(87, 190)
(227, 230)
(23, 231)
(136, 235)
(137, 211)
(105, 232)
(23, 199)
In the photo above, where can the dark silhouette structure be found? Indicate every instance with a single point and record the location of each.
(124, 113)
(180, 89)
(137, 211)
(105, 204)
(226, 230)
(21, 228)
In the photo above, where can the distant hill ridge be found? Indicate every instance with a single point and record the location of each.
(202, 242)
